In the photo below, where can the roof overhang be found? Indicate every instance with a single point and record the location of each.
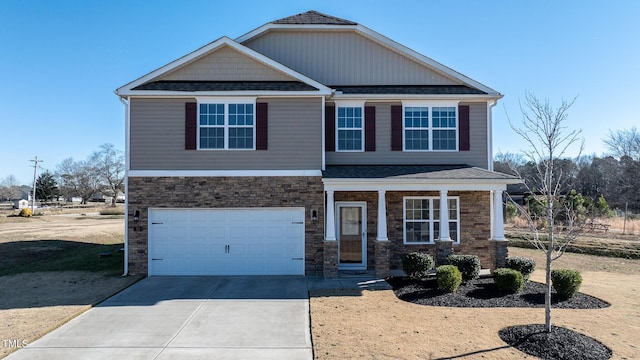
(128, 89)
(415, 184)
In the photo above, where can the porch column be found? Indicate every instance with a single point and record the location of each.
(444, 217)
(330, 230)
(382, 216)
(498, 218)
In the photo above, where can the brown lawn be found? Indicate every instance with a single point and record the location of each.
(376, 325)
(32, 304)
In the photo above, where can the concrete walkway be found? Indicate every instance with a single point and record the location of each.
(232, 317)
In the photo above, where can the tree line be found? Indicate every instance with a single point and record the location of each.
(102, 172)
(614, 177)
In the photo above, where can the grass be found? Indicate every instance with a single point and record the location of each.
(59, 255)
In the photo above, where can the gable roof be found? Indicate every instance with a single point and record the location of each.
(315, 20)
(313, 17)
(137, 87)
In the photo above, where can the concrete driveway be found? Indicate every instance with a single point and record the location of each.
(231, 317)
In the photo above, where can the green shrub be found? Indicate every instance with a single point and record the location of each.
(508, 280)
(566, 282)
(524, 265)
(417, 265)
(26, 212)
(469, 265)
(448, 277)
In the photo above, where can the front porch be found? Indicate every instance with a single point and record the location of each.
(414, 211)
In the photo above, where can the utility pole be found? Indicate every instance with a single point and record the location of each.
(35, 174)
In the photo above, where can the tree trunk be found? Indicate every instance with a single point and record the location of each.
(551, 246)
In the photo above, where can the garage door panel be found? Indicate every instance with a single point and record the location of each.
(226, 241)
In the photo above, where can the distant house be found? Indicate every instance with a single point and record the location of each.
(20, 204)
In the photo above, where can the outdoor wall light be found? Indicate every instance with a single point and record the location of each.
(136, 216)
(314, 215)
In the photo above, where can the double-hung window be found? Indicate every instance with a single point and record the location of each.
(350, 126)
(422, 219)
(427, 127)
(226, 125)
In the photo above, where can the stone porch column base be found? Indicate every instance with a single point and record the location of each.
(444, 248)
(501, 252)
(383, 261)
(330, 269)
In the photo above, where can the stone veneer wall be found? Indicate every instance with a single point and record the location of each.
(225, 192)
(475, 227)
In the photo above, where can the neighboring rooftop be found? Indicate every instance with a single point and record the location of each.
(313, 17)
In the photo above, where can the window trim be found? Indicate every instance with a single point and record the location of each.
(430, 105)
(226, 101)
(431, 219)
(349, 104)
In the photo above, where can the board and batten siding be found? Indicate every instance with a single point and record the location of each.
(226, 64)
(344, 58)
(157, 130)
(476, 156)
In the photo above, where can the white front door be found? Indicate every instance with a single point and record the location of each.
(352, 235)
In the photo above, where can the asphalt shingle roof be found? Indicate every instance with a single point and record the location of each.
(427, 172)
(313, 17)
(409, 89)
(192, 86)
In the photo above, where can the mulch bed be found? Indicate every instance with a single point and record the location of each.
(561, 343)
(483, 293)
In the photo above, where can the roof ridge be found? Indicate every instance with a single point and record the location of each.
(313, 17)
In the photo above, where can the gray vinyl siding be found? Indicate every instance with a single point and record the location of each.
(344, 58)
(476, 156)
(226, 64)
(158, 138)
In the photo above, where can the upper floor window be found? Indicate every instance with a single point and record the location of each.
(226, 125)
(350, 129)
(428, 128)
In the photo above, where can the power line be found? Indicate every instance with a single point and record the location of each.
(35, 173)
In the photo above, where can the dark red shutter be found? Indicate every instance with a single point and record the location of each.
(190, 126)
(396, 128)
(369, 128)
(463, 134)
(262, 137)
(330, 128)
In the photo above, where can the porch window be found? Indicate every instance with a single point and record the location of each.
(422, 219)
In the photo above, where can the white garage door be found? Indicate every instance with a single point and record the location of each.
(256, 241)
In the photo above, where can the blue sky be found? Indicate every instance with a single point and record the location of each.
(61, 61)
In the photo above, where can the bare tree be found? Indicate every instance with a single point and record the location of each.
(545, 132)
(9, 188)
(78, 178)
(109, 164)
(623, 143)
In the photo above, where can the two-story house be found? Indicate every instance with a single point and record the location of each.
(309, 145)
